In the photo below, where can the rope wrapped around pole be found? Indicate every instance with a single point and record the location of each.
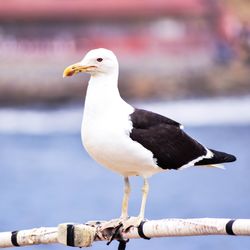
(83, 235)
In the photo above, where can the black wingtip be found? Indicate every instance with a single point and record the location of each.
(230, 158)
(223, 157)
(218, 158)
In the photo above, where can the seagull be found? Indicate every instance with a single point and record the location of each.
(131, 141)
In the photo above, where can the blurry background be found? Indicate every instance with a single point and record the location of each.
(188, 60)
(171, 49)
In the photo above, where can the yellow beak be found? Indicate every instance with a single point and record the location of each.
(76, 68)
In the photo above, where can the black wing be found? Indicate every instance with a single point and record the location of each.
(170, 145)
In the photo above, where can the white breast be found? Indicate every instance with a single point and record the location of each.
(106, 139)
(106, 128)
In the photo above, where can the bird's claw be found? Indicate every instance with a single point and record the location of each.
(131, 222)
(112, 230)
(117, 226)
(112, 224)
(122, 223)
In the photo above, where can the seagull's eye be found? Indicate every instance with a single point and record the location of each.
(99, 59)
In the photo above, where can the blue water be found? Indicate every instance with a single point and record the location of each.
(49, 179)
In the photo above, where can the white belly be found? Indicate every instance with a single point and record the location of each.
(110, 145)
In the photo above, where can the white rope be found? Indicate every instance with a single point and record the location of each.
(83, 235)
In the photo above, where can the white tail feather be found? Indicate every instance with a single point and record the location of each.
(220, 166)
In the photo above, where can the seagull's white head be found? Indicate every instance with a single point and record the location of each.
(96, 62)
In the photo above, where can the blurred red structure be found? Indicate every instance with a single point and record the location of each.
(95, 9)
(157, 27)
(130, 27)
(174, 38)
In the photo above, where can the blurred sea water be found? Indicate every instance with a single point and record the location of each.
(47, 178)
